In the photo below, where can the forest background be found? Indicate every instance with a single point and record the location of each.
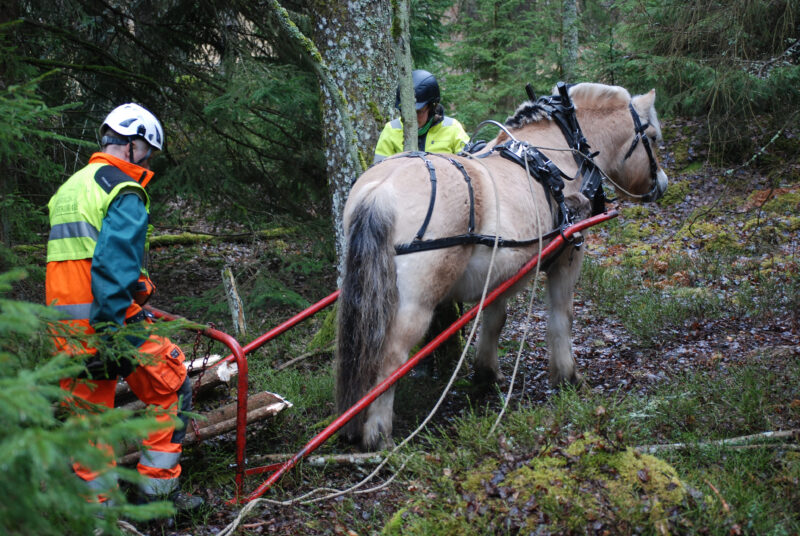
(256, 143)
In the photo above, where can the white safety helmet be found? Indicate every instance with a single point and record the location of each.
(132, 121)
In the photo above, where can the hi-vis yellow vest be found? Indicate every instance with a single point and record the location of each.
(79, 206)
(447, 136)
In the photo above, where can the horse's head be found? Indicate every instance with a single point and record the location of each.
(627, 133)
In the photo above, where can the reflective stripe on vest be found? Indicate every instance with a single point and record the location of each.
(75, 311)
(159, 460)
(77, 229)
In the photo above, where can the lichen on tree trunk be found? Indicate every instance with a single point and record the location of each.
(365, 80)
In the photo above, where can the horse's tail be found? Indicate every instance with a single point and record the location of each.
(366, 305)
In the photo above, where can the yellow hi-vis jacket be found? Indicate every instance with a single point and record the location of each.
(446, 136)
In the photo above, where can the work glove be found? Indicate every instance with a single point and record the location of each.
(144, 289)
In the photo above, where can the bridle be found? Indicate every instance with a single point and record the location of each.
(639, 130)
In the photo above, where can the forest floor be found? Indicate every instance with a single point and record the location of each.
(616, 360)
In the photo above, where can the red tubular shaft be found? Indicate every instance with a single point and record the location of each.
(274, 332)
(241, 398)
(427, 349)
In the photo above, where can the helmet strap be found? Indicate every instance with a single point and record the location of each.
(111, 140)
(142, 159)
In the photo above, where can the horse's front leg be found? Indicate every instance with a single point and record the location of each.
(487, 369)
(407, 328)
(561, 280)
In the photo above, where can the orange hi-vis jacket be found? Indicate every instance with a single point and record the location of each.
(77, 211)
(95, 253)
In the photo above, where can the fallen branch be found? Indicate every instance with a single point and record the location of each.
(359, 458)
(734, 441)
(187, 238)
(304, 356)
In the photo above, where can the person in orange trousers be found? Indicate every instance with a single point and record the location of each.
(97, 278)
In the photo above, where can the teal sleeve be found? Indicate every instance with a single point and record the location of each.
(118, 258)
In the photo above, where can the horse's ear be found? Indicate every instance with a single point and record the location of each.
(646, 101)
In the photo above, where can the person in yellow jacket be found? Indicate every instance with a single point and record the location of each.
(96, 278)
(437, 133)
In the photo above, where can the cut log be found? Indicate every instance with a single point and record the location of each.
(219, 421)
(211, 378)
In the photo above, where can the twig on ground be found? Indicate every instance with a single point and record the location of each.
(718, 494)
(128, 528)
(734, 441)
(312, 353)
(358, 458)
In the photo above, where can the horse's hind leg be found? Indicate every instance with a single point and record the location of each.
(487, 369)
(562, 277)
(408, 327)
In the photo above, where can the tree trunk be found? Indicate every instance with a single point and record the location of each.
(569, 38)
(401, 34)
(354, 40)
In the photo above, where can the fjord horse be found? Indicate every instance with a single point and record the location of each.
(387, 300)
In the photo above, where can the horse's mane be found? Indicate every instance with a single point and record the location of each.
(585, 95)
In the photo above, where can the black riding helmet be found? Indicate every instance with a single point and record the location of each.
(426, 89)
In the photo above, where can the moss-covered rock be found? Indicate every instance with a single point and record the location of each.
(783, 203)
(710, 237)
(566, 489)
(676, 192)
(637, 255)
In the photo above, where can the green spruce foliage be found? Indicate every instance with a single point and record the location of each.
(498, 47)
(39, 493)
(732, 62)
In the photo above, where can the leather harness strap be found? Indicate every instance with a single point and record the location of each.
(560, 109)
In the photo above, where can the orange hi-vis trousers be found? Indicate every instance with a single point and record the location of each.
(165, 386)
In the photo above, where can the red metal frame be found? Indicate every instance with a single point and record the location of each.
(274, 332)
(238, 353)
(359, 406)
(241, 395)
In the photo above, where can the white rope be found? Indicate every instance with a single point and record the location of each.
(605, 175)
(529, 313)
(303, 499)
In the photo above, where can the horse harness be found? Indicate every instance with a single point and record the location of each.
(559, 108)
(639, 129)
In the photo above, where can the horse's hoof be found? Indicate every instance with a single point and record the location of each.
(575, 380)
(487, 377)
(377, 438)
(377, 445)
